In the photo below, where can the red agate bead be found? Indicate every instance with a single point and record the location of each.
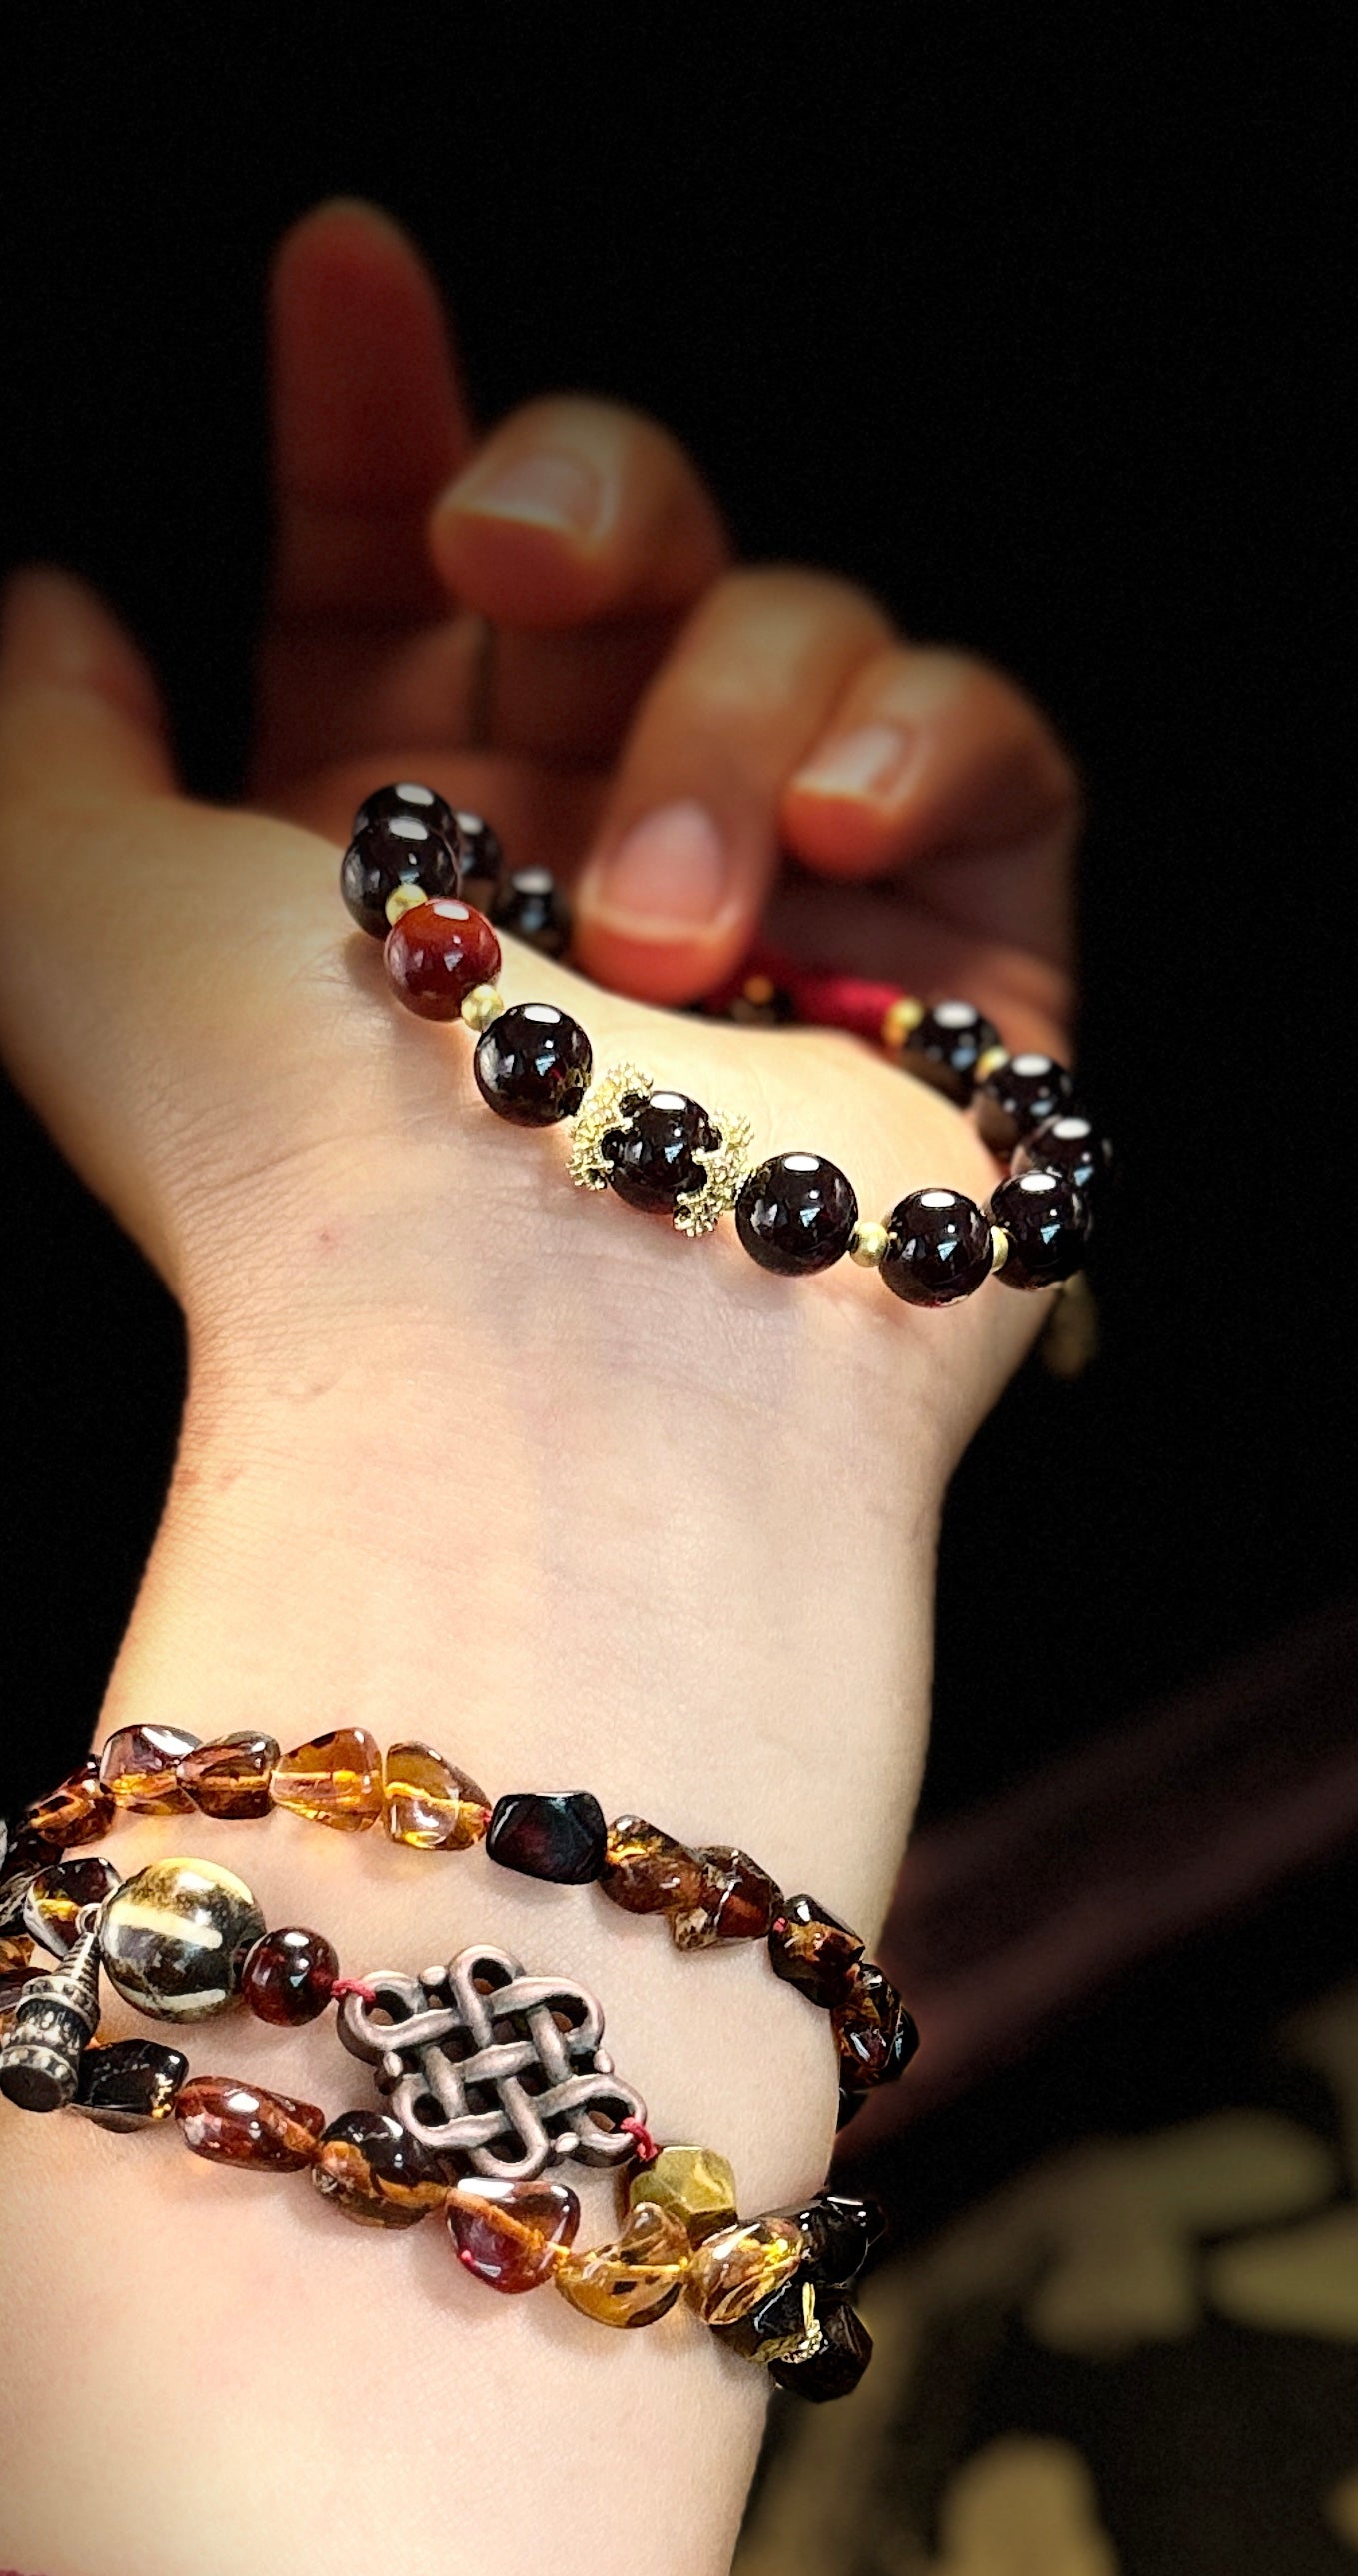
(437, 953)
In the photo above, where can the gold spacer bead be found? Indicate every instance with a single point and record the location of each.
(999, 1247)
(901, 1016)
(402, 899)
(991, 1062)
(868, 1243)
(483, 1004)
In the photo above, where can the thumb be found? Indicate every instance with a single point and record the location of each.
(80, 714)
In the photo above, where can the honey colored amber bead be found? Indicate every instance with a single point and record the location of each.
(140, 1768)
(646, 1872)
(512, 2235)
(231, 1776)
(636, 2279)
(812, 1949)
(80, 1811)
(16, 1954)
(694, 2184)
(59, 1895)
(784, 2323)
(742, 2266)
(372, 2171)
(429, 1803)
(241, 2124)
(736, 1901)
(334, 1780)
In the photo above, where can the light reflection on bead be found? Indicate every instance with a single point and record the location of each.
(334, 1780)
(231, 2123)
(741, 2266)
(140, 1767)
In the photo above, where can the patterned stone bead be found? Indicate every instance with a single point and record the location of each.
(512, 2235)
(875, 2034)
(785, 2322)
(371, 2170)
(810, 1948)
(836, 2362)
(289, 1976)
(736, 1901)
(740, 2267)
(131, 2084)
(140, 1769)
(334, 1780)
(646, 1872)
(696, 2186)
(231, 1777)
(80, 1811)
(636, 2279)
(561, 1837)
(241, 2124)
(173, 1939)
(429, 1804)
(60, 1894)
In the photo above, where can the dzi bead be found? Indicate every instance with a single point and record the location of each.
(430, 1804)
(289, 1977)
(58, 1897)
(140, 1769)
(736, 1901)
(635, 2280)
(408, 796)
(696, 2186)
(394, 850)
(810, 1948)
(875, 2034)
(370, 2170)
(241, 2124)
(480, 857)
(647, 1872)
(512, 2235)
(1019, 1096)
(174, 1937)
(437, 953)
(739, 2268)
(533, 1064)
(80, 1811)
(560, 1837)
(835, 2362)
(1044, 1217)
(54, 2022)
(945, 1047)
(334, 1780)
(796, 1214)
(938, 1248)
(653, 1161)
(131, 2084)
(532, 907)
(232, 1777)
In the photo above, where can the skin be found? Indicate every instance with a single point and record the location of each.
(469, 1456)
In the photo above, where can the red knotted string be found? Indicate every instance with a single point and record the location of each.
(354, 1986)
(646, 2147)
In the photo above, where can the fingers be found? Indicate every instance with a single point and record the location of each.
(80, 715)
(669, 901)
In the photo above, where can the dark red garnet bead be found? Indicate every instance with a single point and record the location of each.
(654, 1160)
(289, 1977)
(396, 849)
(410, 796)
(1043, 1215)
(1019, 1096)
(561, 1837)
(939, 1248)
(945, 1047)
(1072, 1145)
(533, 1064)
(437, 953)
(481, 858)
(532, 906)
(796, 1214)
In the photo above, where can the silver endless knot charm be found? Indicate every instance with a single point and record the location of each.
(477, 2064)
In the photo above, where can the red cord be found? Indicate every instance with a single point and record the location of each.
(858, 1003)
(354, 1986)
(646, 2147)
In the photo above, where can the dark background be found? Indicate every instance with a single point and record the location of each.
(1033, 322)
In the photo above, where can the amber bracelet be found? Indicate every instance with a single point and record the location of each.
(710, 1897)
(404, 878)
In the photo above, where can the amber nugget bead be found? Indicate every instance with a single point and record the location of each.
(876, 2035)
(334, 1780)
(836, 2357)
(646, 1872)
(59, 1895)
(783, 2323)
(694, 2184)
(16, 1953)
(429, 1804)
(376, 2174)
(140, 1766)
(80, 1811)
(241, 2124)
(742, 2266)
(812, 1949)
(129, 2085)
(289, 1976)
(636, 2279)
(230, 1777)
(736, 1901)
(512, 2235)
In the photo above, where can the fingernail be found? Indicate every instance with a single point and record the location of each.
(552, 490)
(670, 873)
(873, 760)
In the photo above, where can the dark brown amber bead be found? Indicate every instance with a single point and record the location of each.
(1043, 1215)
(1019, 1096)
(561, 1837)
(231, 1777)
(289, 1977)
(410, 796)
(736, 1901)
(841, 2355)
(647, 1872)
(60, 1894)
(876, 2036)
(529, 903)
(131, 2084)
(140, 1766)
(512, 2235)
(938, 1248)
(784, 2322)
(372, 2171)
(334, 1780)
(429, 1803)
(241, 2124)
(435, 954)
(796, 1214)
(653, 1161)
(533, 1064)
(945, 1047)
(811, 1948)
(80, 1811)
(393, 850)
(840, 2233)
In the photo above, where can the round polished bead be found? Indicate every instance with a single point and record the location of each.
(371, 2170)
(242, 2124)
(394, 850)
(406, 797)
(560, 1836)
(172, 1939)
(232, 1777)
(533, 1064)
(512, 2235)
(140, 1769)
(1071, 1145)
(58, 1897)
(654, 1159)
(80, 1811)
(796, 1214)
(1043, 1215)
(1020, 1095)
(481, 857)
(531, 906)
(289, 1976)
(939, 1248)
(945, 1047)
(437, 954)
